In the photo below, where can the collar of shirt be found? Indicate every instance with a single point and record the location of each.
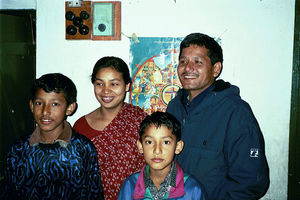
(62, 140)
(165, 186)
(198, 99)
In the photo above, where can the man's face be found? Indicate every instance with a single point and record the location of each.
(49, 111)
(195, 71)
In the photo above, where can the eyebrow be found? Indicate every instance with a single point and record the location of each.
(165, 137)
(115, 79)
(53, 99)
(197, 57)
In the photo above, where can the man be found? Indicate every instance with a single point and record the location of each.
(224, 147)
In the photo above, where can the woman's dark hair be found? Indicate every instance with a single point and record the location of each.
(159, 119)
(115, 62)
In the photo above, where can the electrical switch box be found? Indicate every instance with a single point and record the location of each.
(103, 24)
(106, 20)
(78, 20)
(99, 20)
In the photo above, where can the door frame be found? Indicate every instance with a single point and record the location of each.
(294, 136)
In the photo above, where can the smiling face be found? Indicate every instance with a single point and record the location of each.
(195, 71)
(110, 88)
(49, 111)
(159, 147)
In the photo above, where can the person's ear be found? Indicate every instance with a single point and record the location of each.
(31, 105)
(179, 146)
(71, 108)
(127, 87)
(140, 146)
(217, 68)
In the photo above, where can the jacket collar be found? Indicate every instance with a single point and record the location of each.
(63, 139)
(178, 191)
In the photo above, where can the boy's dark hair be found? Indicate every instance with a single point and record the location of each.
(55, 82)
(214, 49)
(115, 62)
(159, 119)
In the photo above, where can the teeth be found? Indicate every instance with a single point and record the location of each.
(107, 98)
(190, 76)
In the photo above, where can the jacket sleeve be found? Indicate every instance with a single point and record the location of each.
(10, 181)
(7, 189)
(127, 189)
(247, 168)
(194, 190)
(94, 184)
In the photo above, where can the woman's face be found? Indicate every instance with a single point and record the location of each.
(110, 88)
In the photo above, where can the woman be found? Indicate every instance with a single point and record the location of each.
(113, 127)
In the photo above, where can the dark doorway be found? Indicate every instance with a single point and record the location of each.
(17, 73)
(294, 145)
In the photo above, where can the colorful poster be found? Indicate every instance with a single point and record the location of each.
(153, 64)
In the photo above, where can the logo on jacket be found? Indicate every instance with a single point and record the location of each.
(254, 153)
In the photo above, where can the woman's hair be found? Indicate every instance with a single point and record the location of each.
(110, 61)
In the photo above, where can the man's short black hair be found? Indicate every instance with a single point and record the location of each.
(215, 52)
(55, 82)
(159, 119)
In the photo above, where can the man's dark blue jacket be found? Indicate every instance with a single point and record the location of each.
(224, 146)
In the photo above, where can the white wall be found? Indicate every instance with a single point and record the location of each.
(17, 4)
(257, 40)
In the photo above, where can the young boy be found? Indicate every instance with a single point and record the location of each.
(54, 162)
(161, 177)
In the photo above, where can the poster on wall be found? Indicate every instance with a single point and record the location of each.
(153, 65)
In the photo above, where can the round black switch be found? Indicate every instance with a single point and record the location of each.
(71, 30)
(77, 21)
(70, 15)
(84, 30)
(84, 15)
(102, 27)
